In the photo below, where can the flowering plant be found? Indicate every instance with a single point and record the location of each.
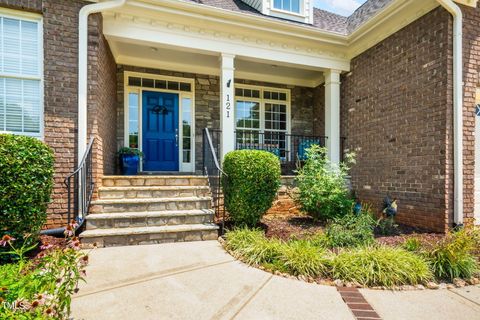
(41, 288)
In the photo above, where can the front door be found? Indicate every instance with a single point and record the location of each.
(160, 131)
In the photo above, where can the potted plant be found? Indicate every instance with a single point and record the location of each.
(129, 160)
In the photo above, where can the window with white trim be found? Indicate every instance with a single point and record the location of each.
(287, 5)
(261, 117)
(21, 103)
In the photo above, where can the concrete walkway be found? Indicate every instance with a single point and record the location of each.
(198, 280)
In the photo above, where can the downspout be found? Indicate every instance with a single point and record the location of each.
(83, 67)
(82, 80)
(455, 11)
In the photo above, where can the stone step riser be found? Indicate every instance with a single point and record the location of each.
(150, 182)
(147, 221)
(143, 194)
(154, 238)
(152, 206)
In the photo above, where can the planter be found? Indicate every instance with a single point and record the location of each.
(129, 164)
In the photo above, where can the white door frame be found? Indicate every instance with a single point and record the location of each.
(182, 95)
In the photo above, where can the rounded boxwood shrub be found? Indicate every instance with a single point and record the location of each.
(26, 171)
(250, 185)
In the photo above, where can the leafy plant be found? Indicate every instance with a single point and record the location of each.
(452, 257)
(40, 288)
(26, 171)
(323, 193)
(380, 266)
(130, 151)
(412, 244)
(250, 184)
(303, 258)
(386, 226)
(351, 230)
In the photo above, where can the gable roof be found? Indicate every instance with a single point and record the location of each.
(323, 20)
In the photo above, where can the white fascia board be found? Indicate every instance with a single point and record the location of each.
(390, 20)
(241, 19)
(147, 35)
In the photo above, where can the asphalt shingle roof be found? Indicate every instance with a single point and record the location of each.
(323, 20)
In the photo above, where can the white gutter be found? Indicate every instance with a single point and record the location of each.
(83, 67)
(457, 108)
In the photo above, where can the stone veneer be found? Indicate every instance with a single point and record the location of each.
(207, 100)
(396, 106)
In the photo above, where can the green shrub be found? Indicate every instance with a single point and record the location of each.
(250, 185)
(303, 258)
(380, 266)
(323, 193)
(351, 230)
(26, 171)
(452, 257)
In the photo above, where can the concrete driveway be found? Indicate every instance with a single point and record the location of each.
(198, 280)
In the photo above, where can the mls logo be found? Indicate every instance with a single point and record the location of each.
(477, 110)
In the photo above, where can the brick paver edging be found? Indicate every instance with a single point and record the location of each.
(360, 307)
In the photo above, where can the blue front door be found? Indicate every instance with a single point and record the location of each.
(160, 131)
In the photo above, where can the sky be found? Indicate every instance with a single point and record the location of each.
(342, 7)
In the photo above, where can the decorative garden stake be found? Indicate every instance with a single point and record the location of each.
(389, 207)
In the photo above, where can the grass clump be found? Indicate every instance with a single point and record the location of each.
(453, 257)
(304, 258)
(412, 245)
(351, 230)
(381, 266)
(252, 246)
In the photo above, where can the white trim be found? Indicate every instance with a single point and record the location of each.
(183, 167)
(262, 101)
(38, 19)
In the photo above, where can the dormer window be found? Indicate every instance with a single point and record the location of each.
(287, 5)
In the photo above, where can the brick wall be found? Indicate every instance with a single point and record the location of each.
(207, 101)
(471, 47)
(396, 114)
(102, 100)
(60, 42)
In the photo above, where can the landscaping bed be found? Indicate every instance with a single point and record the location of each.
(325, 234)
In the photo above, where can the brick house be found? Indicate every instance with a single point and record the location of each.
(397, 82)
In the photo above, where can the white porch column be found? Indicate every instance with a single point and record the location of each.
(227, 105)
(332, 114)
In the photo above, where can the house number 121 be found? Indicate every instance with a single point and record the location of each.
(228, 106)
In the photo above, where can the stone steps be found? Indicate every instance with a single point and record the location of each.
(123, 181)
(150, 204)
(134, 210)
(144, 219)
(149, 235)
(153, 192)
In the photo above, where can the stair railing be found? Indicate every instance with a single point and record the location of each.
(213, 171)
(80, 185)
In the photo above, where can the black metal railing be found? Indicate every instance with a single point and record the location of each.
(290, 148)
(80, 185)
(213, 170)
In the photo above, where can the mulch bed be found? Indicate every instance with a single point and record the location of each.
(285, 226)
(297, 225)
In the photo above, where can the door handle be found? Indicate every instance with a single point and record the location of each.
(176, 137)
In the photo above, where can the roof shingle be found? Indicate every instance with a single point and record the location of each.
(323, 20)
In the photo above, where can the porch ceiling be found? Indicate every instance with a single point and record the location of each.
(154, 55)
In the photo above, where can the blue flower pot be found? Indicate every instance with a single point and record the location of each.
(129, 164)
